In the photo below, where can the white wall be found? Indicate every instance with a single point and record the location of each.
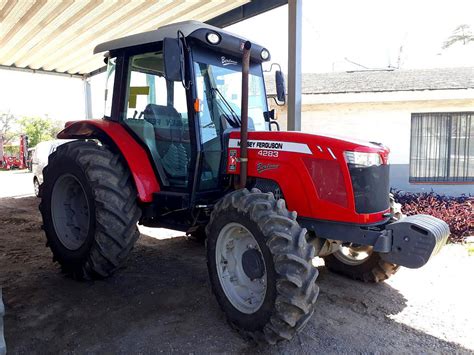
(58, 97)
(98, 95)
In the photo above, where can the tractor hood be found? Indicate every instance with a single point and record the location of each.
(308, 144)
(321, 177)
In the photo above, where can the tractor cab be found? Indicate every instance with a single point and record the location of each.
(178, 90)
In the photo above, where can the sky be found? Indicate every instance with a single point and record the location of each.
(336, 34)
(367, 32)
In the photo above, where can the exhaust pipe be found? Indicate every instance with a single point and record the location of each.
(244, 112)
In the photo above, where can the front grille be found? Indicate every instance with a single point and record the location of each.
(371, 187)
(328, 180)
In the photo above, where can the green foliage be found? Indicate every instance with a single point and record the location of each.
(461, 34)
(7, 125)
(56, 127)
(39, 129)
(470, 249)
(36, 128)
(11, 150)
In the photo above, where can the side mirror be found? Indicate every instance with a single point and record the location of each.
(172, 59)
(280, 86)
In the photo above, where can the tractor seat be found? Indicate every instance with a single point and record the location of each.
(154, 112)
(169, 128)
(167, 121)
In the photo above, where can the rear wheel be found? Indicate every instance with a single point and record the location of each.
(260, 266)
(89, 209)
(360, 263)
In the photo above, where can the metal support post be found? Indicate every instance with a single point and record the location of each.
(294, 64)
(87, 98)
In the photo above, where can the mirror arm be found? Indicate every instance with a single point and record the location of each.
(277, 102)
(271, 67)
(275, 123)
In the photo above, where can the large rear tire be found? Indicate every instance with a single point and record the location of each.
(89, 209)
(360, 263)
(260, 267)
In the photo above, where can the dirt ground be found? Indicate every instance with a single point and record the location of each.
(161, 302)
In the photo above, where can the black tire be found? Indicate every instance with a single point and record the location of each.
(112, 209)
(291, 291)
(198, 235)
(373, 269)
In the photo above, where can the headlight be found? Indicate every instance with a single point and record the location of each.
(213, 38)
(265, 54)
(363, 159)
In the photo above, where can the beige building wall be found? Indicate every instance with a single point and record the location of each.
(387, 123)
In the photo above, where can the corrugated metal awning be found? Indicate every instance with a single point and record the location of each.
(59, 35)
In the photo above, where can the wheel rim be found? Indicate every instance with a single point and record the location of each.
(70, 211)
(241, 268)
(353, 255)
(36, 186)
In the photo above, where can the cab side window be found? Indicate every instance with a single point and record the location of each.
(156, 110)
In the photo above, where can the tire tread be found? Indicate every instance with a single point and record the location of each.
(292, 254)
(116, 209)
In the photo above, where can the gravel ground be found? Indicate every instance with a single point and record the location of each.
(161, 302)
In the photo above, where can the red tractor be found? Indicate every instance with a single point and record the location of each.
(187, 143)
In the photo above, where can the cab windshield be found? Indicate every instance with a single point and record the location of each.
(219, 88)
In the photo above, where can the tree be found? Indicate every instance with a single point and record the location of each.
(38, 129)
(461, 34)
(7, 126)
(56, 127)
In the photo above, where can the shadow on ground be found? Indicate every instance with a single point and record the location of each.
(161, 302)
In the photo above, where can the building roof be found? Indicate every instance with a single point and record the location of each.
(385, 81)
(59, 36)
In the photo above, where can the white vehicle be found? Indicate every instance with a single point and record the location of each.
(40, 160)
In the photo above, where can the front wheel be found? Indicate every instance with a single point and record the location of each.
(260, 266)
(360, 263)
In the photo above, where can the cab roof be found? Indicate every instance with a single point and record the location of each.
(171, 30)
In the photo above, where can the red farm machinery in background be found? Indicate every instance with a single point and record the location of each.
(14, 160)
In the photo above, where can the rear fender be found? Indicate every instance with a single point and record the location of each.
(134, 154)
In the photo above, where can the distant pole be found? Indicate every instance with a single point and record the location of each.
(294, 64)
(87, 98)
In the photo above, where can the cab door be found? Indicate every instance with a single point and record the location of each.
(156, 111)
(211, 132)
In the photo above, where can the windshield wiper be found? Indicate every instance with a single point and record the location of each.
(235, 121)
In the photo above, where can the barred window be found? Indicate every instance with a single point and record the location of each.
(442, 147)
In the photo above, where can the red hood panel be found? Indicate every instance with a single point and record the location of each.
(311, 171)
